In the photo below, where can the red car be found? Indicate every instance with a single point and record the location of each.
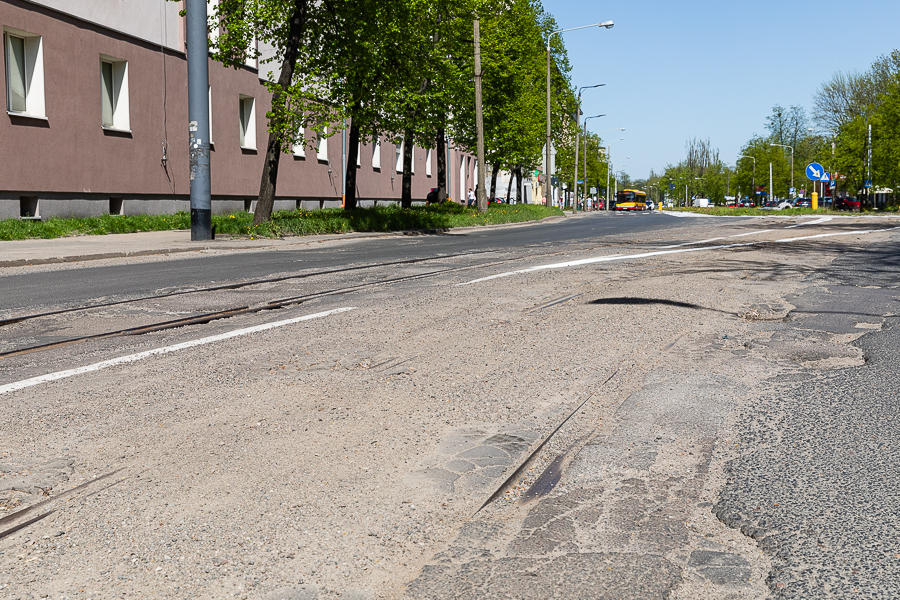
(846, 204)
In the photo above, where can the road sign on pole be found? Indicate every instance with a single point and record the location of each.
(814, 171)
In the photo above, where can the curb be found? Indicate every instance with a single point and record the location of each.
(25, 262)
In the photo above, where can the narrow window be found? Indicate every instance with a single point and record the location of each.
(114, 93)
(247, 107)
(428, 163)
(299, 150)
(24, 74)
(359, 155)
(398, 151)
(322, 149)
(15, 72)
(210, 117)
(376, 155)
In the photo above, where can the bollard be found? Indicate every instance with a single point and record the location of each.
(815, 201)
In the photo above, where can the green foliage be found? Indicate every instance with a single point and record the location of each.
(386, 218)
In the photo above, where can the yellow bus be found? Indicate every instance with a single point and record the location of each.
(631, 200)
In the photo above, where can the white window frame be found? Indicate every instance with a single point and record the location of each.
(213, 25)
(428, 162)
(322, 146)
(32, 73)
(115, 91)
(210, 117)
(376, 155)
(299, 150)
(359, 155)
(398, 158)
(247, 121)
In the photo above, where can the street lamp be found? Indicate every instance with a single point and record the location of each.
(792, 160)
(577, 114)
(753, 195)
(575, 187)
(609, 165)
(607, 25)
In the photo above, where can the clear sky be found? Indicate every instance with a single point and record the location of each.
(711, 69)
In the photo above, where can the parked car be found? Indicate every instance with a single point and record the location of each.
(846, 204)
(803, 203)
(651, 205)
(776, 205)
(702, 203)
(746, 203)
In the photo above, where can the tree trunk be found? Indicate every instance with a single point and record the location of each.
(266, 199)
(494, 172)
(406, 194)
(352, 155)
(441, 165)
(509, 187)
(519, 184)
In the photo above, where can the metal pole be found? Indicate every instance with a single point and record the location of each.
(585, 187)
(344, 165)
(869, 171)
(480, 197)
(547, 164)
(198, 120)
(771, 194)
(575, 182)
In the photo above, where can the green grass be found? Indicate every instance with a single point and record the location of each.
(380, 219)
(727, 211)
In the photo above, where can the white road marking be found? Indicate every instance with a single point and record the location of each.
(615, 257)
(18, 385)
(727, 237)
(814, 222)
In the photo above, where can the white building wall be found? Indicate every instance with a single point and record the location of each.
(155, 21)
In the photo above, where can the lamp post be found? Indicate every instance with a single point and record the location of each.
(575, 186)
(701, 178)
(577, 114)
(609, 166)
(607, 25)
(792, 160)
(754, 175)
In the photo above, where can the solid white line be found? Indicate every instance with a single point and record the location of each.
(18, 385)
(614, 257)
(694, 243)
(815, 222)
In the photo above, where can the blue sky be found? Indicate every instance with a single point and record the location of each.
(675, 70)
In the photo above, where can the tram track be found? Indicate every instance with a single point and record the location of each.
(271, 304)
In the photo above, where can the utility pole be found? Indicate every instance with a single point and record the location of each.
(771, 194)
(869, 171)
(479, 125)
(198, 120)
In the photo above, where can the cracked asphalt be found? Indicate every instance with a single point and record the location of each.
(733, 438)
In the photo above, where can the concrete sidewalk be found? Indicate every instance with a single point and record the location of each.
(20, 253)
(117, 245)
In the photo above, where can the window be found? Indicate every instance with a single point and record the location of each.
(376, 154)
(210, 116)
(212, 7)
(398, 152)
(24, 74)
(322, 148)
(428, 163)
(359, 155)
(299, 150)
(247, 106)
(114, 93)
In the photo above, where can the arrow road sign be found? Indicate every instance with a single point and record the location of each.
(815, 171)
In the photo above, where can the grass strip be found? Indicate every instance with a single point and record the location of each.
(284, 223)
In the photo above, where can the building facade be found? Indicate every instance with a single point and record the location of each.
(97, 122)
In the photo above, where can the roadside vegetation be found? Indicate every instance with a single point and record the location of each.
(285, 223)
(834, 134)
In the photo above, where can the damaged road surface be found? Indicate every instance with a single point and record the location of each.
(704, 412)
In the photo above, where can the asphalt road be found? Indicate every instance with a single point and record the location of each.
(61, 287)
(739, 443)
(817, 484)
